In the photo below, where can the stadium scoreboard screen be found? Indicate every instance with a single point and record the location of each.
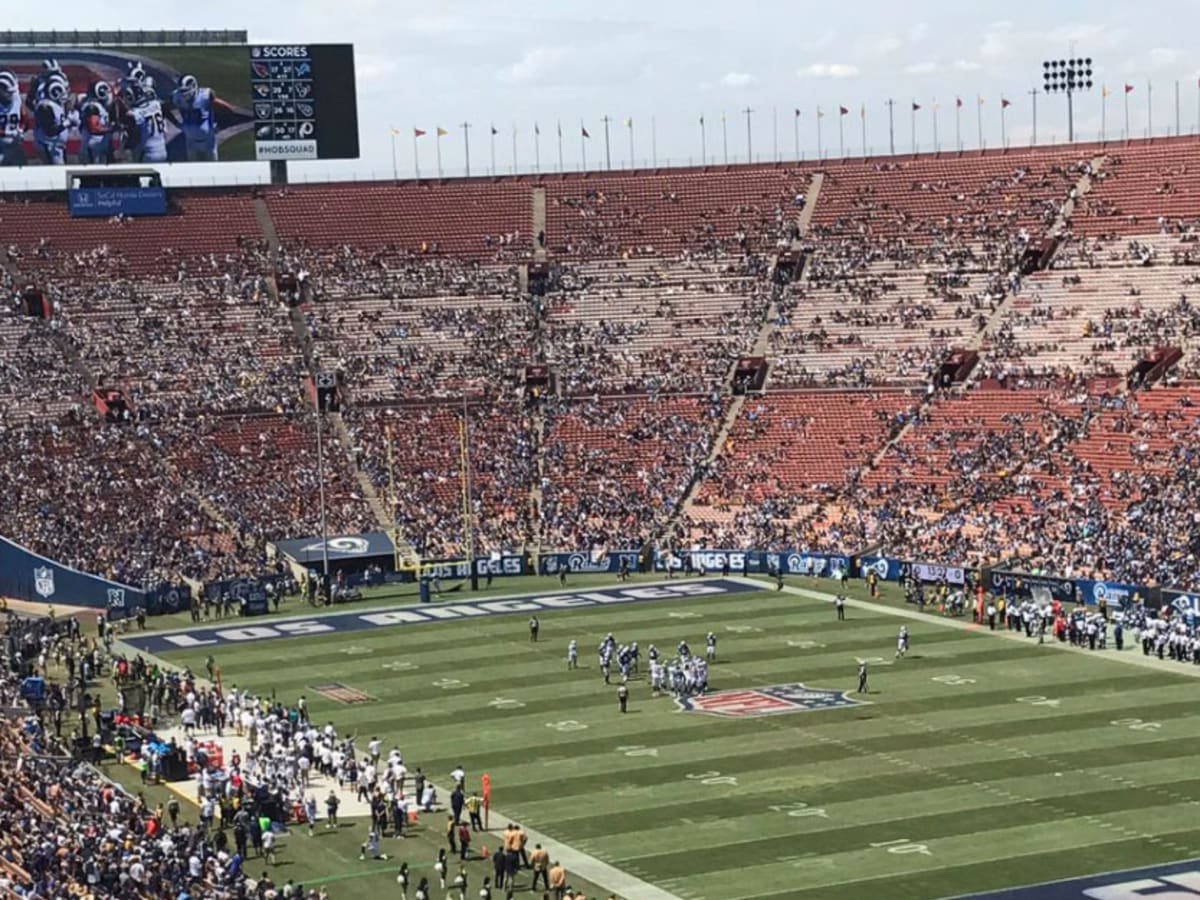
(300, 108)
(88, 105)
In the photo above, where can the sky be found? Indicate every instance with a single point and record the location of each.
(663, 65)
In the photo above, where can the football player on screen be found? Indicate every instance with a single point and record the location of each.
(137, 72)
(95, 123)
(37, 84)
(144, 124)
(53, 117)
(194, 109)
(12, 115)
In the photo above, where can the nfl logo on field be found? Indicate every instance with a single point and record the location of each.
(773, 700)
(43, 582)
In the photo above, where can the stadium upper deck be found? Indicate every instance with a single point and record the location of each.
(661, 280)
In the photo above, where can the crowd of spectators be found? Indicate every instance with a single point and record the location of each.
(656, 288)
(68, 831)
(616, 468)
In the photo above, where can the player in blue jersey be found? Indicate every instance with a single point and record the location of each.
(95, 123)
(195, 114)
(53, 118)
(145, 125)
(12, 120)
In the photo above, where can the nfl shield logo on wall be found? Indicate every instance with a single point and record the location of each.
(116, 598)
(43, 582)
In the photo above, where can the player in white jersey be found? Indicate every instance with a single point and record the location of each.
(145, 126)
(195, 109)
(95, 123)
(573, 654)
(12, 114)
(53, 118)
(902, 641)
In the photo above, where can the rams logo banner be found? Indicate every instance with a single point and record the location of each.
(767, 701)
(43, 582)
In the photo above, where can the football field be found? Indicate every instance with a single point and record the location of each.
(979, 761)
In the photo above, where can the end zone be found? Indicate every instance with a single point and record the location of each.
(1177, 881)
(425, 613)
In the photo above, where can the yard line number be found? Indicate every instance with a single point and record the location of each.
(903, 845)
(952, 679)
(1136, 724)
(1039, 700)
(713, 777)
(799, 810)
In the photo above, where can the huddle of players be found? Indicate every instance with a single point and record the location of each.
(132, 118)
(684, 677)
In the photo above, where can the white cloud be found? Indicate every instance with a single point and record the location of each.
(368, 67)
(918, 32)
(534, 65)
(966, 65)
(997, 41)
(921, 68)
(1161, 57)
(738, 79)
(877, 45)
(820, 41)
(828, 70)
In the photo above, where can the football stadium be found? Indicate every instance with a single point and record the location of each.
(657, 511)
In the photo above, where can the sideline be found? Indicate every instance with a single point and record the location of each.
(1131, 655)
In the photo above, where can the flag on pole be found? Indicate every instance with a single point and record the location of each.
(536, 130)
(958, 102)
(862, 112)
(1004, 104)
(442, 132)
(842, 110)
(1129, 88)
(820, 115)
(797, 113)
(395, 131)
(1105, 92)
(628, 121)
(702, 119)
(584, 132)
(981, 100)
(417, 132)
(916, 106)
(495, 130)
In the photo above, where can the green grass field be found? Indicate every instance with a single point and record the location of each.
(978, 763)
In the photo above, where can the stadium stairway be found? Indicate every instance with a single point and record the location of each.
(761, 348)
(1081, 186)
(539, 222)
(1061, 224)
(266, 225)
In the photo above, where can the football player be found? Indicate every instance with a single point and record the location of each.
(145, 126)
(53, 117)
(902, 642)
(95, 123)
(12, 114)
(37, 84)
(195, 107)
(137, 73)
